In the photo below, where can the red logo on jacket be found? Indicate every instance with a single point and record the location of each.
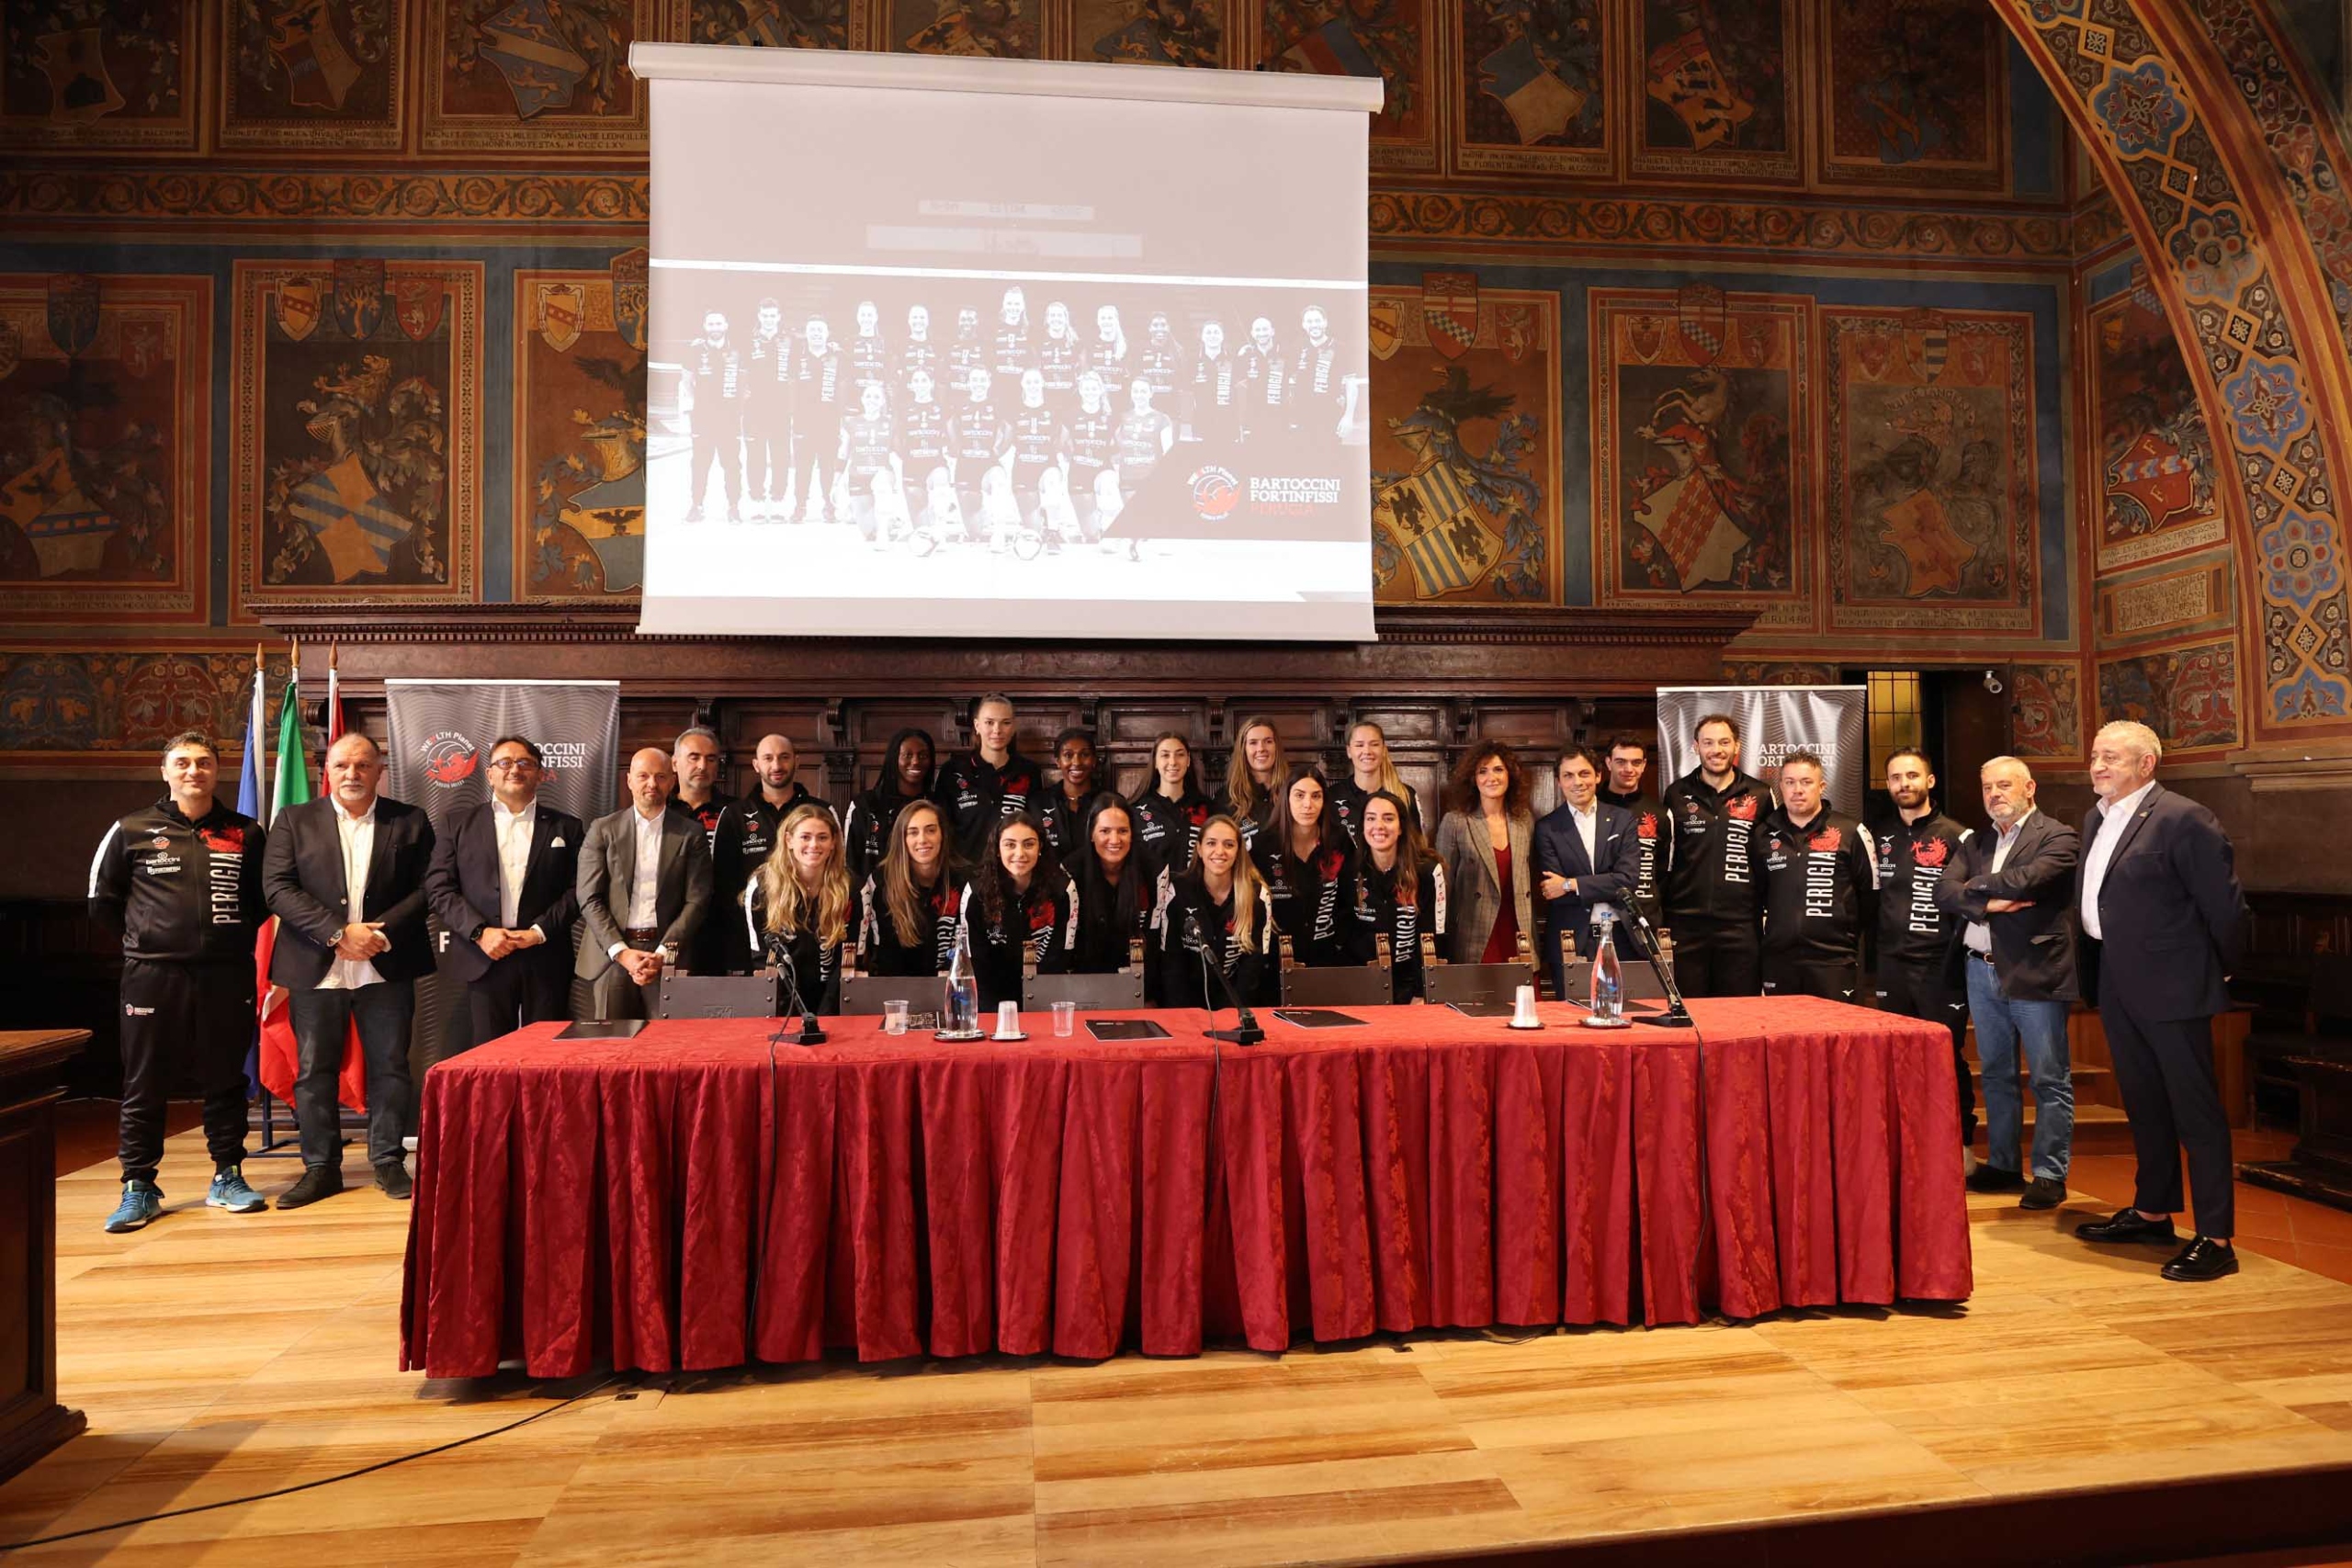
(1930, 853)
(1826, 841)
(1646, 826)
(1741, 806)
(223, 840)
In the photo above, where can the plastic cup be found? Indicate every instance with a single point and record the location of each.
(894, 1018)
(1065, 1019)
(1008, 1019)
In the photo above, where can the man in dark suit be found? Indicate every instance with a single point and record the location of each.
(644, 884)
(345, 878)
(1585, 854)
(505, 885)
(2012, 887)
(2164, 922)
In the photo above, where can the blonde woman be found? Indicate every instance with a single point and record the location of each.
(1235, 913)
(1370, 769)
(1253, 777)
(797, 904)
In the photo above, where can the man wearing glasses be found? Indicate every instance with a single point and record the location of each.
(502, 884)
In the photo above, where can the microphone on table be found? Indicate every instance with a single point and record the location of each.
(1675, 1015)
(780, 954)
(1245, 1031)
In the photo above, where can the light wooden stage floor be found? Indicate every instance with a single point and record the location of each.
(218, 1355)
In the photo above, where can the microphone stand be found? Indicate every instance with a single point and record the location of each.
(1675, 1015)
(810, 1033)
(1245, 1031)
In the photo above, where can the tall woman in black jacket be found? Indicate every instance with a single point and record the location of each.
(1401, 890)
(1230, 903)
(1171, 809)
(909, 764)
(1309, 867)
(1254, 775)
(1115, 889)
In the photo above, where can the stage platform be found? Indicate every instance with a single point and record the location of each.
(2077, 1407)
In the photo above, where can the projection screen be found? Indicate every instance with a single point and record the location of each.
(944, 347)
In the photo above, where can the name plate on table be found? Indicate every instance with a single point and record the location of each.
(718, 995)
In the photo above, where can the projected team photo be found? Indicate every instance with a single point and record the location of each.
(1020, 418)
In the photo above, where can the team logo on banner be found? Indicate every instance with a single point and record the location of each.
(1385, 324)
(1216, 493)
(449, 758)
(1450, 310)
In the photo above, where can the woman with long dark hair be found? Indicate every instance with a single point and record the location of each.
(1170, 810)
(1310, 873)
(1402, 891)
(1485, 845)
(909, 763)
(1254, 775)
(1115, 889)
(1019, 906)
(907, 906)
(799, 902)
(1230, 906)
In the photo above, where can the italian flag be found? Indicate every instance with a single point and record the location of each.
(280, 1057)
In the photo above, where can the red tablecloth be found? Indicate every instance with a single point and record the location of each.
(679, 1202)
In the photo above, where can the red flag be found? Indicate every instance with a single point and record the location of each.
(282, 1057)
(334, 719)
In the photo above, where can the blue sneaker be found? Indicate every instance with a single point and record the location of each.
(229, 1192)
(141, 1201)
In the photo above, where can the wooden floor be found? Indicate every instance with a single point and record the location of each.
(220, 1355)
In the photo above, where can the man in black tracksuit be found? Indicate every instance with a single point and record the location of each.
(1714, 896)
(744, 838)
(1628, 762)
(1820, 890)
(980, 787)
(1915, 938)
(180, 880)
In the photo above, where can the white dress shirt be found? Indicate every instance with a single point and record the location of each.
(1587, 822)
(645, 887)
(1979, 936)
(357, 837)
(2112, 820)
(515, 829)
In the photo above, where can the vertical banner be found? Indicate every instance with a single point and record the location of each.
(441, 733)
(1833, 721)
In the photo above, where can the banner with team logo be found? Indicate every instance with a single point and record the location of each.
(1831, 721)
(441, 733)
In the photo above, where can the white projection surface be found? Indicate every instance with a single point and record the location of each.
(947, 347)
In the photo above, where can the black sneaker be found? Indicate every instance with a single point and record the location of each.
(318, 1181)
(1990, 1177)
(393, 1177)
(2042, 1192)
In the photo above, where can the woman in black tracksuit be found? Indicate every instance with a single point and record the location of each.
(1170, 811)
(1229, 903)
(907, 908)
(1402, 891)
(799, 903)
(1019, 906)
(1115, 891)
(909, 765)
(1309, 868)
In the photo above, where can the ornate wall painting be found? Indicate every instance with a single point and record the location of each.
(534, 76)
(121, 704)
(1466, 447)
(1701, 474)
(772, 24)
(2165, 603)
(312, 75)
(1715, 84)
(105, 448)
(1933, 486)
(355, 463)
(87, 74)
(1391, 40)
(1149, 32)
(2046, 710)
(1533, 92)
(1913, 93)
(578, 424)
(2155, 465)
(2188, 695)
(997, 30)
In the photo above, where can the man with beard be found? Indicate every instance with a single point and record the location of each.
(746, 836)
(1820, 889)
(1213, 405)
(1714, 896)
(767, 414)
(1319, 389)
(694, 758)
(1914, 935)
(817, 411)
(714, 388)
(1065, 812)
(1628, 760)
(1265, 389)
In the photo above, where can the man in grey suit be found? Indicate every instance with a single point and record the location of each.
(645, 887)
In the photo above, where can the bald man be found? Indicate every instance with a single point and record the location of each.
(644, 891)
(746, 836)
(345, 875)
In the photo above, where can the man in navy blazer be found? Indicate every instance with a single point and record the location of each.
(2164, 922)
(1586, 853)
(345, 875)
(504, 886)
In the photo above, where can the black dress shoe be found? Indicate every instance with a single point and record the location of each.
(2043, 1192)
(2128, 1226)
(1991, 1178)
(318, 1181)
(2203, 1258)
(393, 1177)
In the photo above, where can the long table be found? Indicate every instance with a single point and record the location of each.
(695, 1198)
